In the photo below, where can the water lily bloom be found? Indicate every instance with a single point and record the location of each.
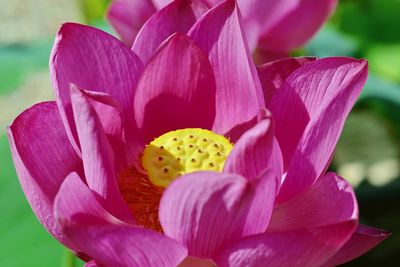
(275, 27)
(183, 153)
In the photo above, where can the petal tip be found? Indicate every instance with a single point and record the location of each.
(68, 26)
(364, 62)
(229, 5)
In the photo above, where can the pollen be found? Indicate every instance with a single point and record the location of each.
(182, 152)
(142, 197)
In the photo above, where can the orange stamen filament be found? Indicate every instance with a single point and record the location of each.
(142, 197)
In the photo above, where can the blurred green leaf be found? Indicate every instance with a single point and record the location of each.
(370, 20)
(330, 42)
(93, 10)
(385, 60)
(18, 61)
(365, 138)
(378, 88)
(69, 259)
(24, 241)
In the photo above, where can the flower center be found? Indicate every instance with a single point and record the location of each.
(164, 159)
(184, 151)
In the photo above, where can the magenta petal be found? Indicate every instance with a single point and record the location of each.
(179, 16)
(43, 157)
(289, 24)
(259, 14)
(75, 199)
(124, 245)
(196, 262)
(206, 210)
(128, 16)
(97, 155)
(309, 111)
(363, 239)
(90, 264)
(262, 55)
(273, 74)
(255, 152)
(161, 3)
(107, 240)
(309, 248)
(238, 93)
(330, 200)
(96, 61)
(110, 113)
(309, 90)
(112, 120)
(176, 90)
(236, 132)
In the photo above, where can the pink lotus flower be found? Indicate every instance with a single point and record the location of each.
(175, 160)
(275, 27)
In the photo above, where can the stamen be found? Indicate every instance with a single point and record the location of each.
(167, 157)
(142, 197)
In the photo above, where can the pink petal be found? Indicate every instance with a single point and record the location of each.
(96, 61)
(75, 199)
(211, 3)
(273, 74)
(289, 24)
(161, 3)
(255, 152)
(239, 94)
(206, 210)
(364, 239)
(128, 16)
(110, 113)
(309, 111)
(179, 16)
(196, 262)
(43, 157)
(176, 90)
(112, 120)
(308, 248)
(236, 132)
(257, 14)
(97, 156)
(104, 238)
(306, 92)
(330, 200)
(120, 246)
(90, 264)
(261, 55)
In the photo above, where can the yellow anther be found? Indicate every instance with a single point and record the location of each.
(184, 151)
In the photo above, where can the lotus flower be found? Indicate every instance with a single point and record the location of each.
(191, 156)
(275, 27)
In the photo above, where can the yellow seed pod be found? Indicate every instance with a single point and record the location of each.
(184, 151)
